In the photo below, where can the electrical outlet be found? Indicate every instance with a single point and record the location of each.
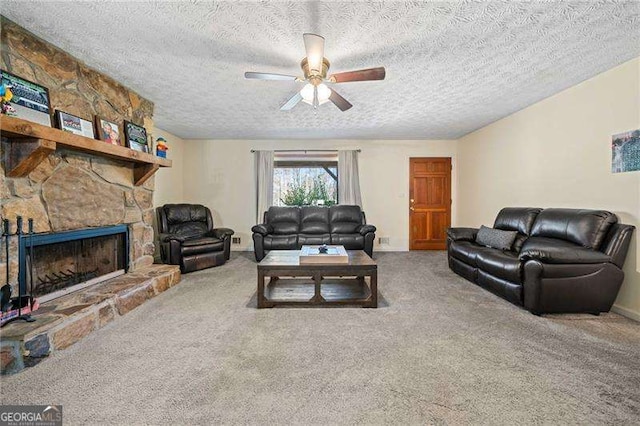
(383, 240)
(235, 240)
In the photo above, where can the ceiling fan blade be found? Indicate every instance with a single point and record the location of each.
(314, 45)
(268, 76)
(339, 101)
(295, 99)
(359, 75)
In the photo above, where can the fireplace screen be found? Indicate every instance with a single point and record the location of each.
(56, 264)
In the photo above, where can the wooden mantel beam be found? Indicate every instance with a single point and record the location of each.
(26, 144)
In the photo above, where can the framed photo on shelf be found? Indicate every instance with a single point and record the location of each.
(108, 131)
(74, 124)
(136, 137)
(28, 100)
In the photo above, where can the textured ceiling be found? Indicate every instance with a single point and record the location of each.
(452, 67)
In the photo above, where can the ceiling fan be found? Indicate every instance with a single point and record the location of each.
(315, 67)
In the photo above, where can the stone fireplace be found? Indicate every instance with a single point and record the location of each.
(72, 191)
(77, 192)
(90, 220)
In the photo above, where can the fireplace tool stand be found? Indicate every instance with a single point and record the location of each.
(20, 308)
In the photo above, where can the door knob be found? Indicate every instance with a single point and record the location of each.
(411, 208)
(412, 200)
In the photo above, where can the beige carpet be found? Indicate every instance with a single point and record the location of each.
(442, 351)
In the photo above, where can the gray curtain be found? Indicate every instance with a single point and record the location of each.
(264, 182)
(348, 178)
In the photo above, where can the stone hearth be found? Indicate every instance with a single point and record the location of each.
(64, 321)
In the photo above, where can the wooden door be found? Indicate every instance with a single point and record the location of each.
(429, 203)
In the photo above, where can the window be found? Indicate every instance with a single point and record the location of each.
(305, 180)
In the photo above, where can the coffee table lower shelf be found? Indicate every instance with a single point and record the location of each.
(302, 292)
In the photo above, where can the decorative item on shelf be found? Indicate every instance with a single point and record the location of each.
(161, 147)
(25, 99)
(136, 137)
(5, 100)
(323, 254)
(108, 131)
(625, 152)
(74, 124)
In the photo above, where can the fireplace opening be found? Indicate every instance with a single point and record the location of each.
(55, 264)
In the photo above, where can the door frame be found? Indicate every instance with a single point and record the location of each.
(410, 192)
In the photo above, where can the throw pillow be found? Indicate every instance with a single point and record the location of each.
(496, 238)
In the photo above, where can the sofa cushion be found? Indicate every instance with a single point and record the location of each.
(495, 238)
(178, 213)
(189, 230)
(201, 245)
(519, 219)
(313, 239)
(501, 264)
(284, 220)
(349, 241)
(280, 242)
(505, 288)
(587, 228)
(466, 251)
(345, 219)
(314, 220)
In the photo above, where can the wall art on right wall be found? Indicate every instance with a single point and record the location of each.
(625, 152)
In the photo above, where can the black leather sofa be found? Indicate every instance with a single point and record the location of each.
(563, 260)
(188, 238)
(289, 228)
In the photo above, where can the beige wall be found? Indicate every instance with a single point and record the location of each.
(557, 153)
(224, 172)
(169, 181)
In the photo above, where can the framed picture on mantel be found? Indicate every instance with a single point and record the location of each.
(73, 124)
(108, 131)
(136, 137)
(24, 99)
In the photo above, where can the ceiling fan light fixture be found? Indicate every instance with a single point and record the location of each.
(323, 94)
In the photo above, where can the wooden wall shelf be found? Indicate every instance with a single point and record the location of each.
(28, 144)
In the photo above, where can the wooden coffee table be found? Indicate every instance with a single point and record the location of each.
(292, 284)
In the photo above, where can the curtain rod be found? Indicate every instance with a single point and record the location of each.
(307, 150)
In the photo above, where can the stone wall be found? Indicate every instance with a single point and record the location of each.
(72, 190)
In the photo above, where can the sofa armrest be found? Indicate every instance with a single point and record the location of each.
(564, 255)
(462, 234)
(262, 229)
(221, 233)
(165, 238)
(365, 229)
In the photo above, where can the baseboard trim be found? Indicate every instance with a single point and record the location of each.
(375, 249)
(626, 312)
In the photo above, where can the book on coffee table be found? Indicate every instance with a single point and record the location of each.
(316, 254)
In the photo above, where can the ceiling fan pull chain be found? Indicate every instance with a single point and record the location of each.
(316, 102)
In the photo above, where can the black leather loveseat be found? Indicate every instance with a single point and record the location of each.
(562, 260)
(289, 228)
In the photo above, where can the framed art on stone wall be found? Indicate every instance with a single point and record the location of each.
(74, 124)
(24, 99)
(136, 137)
(108, 131)
(625, 152)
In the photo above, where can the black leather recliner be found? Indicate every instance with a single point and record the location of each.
(289, 228)
(563, 260)
(188, 238)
